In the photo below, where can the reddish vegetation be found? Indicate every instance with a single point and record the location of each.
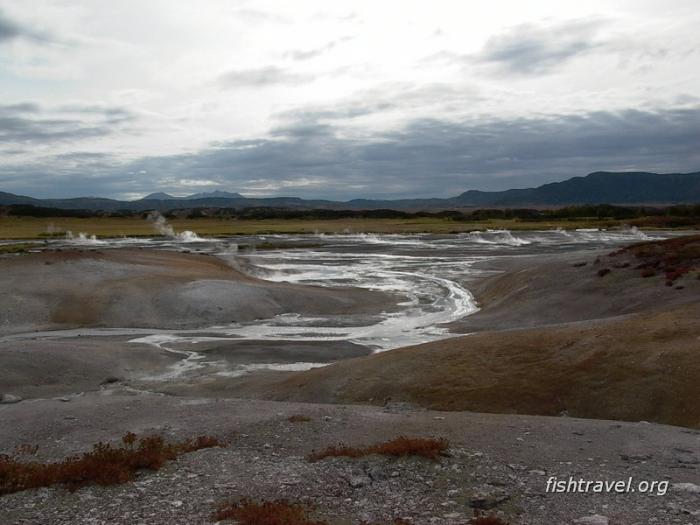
(105, 464)
(280, 512)
(430, 448)
(298, 418)
(397, 521)
(673, 258)
(488, 520)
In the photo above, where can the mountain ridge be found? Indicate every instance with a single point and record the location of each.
(600, 187)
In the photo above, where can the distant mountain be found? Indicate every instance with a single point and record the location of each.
(215, 195)
(160, 196)
(601, 187)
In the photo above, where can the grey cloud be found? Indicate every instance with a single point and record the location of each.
(261, 77)
(110, 114)
(27, 123)
(11, 30)
(398, 97)
(8, 29)
(318, 51)
(427, 157)
(257, 16)
(533, 49)
(22, 107)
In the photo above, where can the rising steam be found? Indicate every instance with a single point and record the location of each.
(162, 226)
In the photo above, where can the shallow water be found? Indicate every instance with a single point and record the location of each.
(428, 274)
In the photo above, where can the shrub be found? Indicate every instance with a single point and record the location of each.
(672, 257)
(488, 520)
(280, 512)
(298, 418)
(105, 464)
(430, 448)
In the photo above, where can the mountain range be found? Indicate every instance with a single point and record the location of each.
(601, 187)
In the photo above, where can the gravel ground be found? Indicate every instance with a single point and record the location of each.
(500, 462)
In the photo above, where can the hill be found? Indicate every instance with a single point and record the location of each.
(601, 187)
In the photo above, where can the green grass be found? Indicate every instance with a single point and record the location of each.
(40, 227)
(18, 247)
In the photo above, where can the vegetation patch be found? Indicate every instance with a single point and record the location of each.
(488, 520)
(672, 258)
(18, 247)
(105, 464)
(431, 448)
(298, 418)
(279, 512)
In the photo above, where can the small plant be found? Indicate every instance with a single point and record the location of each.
(488, 520)
(26, 450)
(430, 448)
(279, 512)
(672, 258)
(298, 418)
(397, 521)
(105, 464)
(603, 271)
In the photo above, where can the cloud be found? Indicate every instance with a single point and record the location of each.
(22, 107)
(529, 49)
(261, 77)
(27, 123)
(11, 30)
(308, 54)
(427, 157)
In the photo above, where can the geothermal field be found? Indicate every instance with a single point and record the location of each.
(526, 357)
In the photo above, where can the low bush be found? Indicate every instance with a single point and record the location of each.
(430, 448)
(673, 258)
(279, 512)
(298, 418)
(105, 464)
(488, 520)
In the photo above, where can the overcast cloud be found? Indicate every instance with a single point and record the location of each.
(342, 100)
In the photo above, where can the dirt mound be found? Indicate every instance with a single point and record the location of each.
(153, 288)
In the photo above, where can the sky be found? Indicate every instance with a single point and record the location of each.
(342, 100)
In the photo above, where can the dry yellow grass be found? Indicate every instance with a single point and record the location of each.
(643, 367)
(38, 227)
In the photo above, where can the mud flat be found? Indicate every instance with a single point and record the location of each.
(146, 288)
(559, 338)
(552, 338)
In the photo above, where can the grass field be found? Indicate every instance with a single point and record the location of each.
(43, 227)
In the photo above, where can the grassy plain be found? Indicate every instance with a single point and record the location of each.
(41, 227)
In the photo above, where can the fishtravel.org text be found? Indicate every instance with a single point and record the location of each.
(580, 485)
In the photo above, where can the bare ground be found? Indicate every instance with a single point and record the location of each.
(553, 339)
(153, 288)
(617, 346)
(500, 461)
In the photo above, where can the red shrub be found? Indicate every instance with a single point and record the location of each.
(103, 465)
(280, 512)
(488, 520)
(298, 418)
(430, 448)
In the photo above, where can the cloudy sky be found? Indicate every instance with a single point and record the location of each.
(383, 99)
